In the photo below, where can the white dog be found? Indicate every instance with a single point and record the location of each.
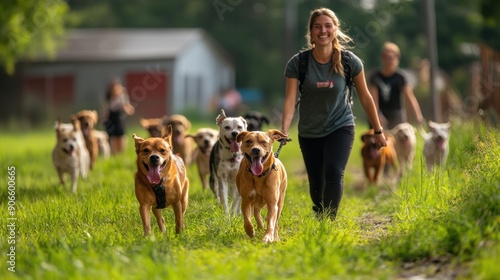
(70, 155)
(406, 143)
(436, 145)
(225, 161)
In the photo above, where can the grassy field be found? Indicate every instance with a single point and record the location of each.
(444, 225)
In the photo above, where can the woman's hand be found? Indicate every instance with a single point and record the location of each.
(380, 140)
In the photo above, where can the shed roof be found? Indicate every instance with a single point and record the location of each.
(127, 44)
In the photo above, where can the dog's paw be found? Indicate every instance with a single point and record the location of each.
(268, 238)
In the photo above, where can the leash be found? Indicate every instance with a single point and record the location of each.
(282, 143)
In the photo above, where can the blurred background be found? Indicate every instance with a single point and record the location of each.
(194, 57)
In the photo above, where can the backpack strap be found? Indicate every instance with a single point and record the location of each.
(303, 60)
(345, 58)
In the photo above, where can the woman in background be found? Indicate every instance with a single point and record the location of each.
(116, 108)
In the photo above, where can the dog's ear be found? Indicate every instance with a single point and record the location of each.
(241, 135)
(245, 123)
(144, 123)
(58, 126)
(164, 120)
(365, 136)
(138, 141)
(168, 134)
(95, 115)
(220, 117)
(76, 123)
(275, 134)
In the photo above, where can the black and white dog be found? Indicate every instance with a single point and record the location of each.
(225, 161)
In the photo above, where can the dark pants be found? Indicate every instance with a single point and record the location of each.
(325, 159)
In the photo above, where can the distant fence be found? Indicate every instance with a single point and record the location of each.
(490, 84)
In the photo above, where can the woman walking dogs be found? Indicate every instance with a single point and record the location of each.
(326, 121)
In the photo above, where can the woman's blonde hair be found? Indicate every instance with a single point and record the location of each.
(340, 42)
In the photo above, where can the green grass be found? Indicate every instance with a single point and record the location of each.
(438, 224)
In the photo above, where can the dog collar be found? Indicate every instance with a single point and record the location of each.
(161, 200)
(273, 167)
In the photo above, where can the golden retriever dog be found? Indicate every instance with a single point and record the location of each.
(88, 119)
(160, 181)
(375, 158)
(205, 139)
(180, 128)
(261, 181)
(69, 156)
(153, 125)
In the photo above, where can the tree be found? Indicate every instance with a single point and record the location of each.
(28, 28)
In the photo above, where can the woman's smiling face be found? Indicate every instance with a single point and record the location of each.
(323, 31)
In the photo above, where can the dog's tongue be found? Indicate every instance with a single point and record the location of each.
(256, 166)
(375, 153)
(154, 175)
(234, 146)
(440, 144)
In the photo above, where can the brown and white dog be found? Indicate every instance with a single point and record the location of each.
(88, 119)
(225, 161)
(160, 181)
(69, 156)
(180, 128)
(205, 139)
(375, 158)
(154, 126)
(261, 181)
(436, 144)
(406, 143)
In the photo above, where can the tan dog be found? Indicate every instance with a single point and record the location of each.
(406, 143)
(376, 158)
(154, 126)
(160, 181)
(103, 143)
(68, 155)
(205, 139)
(183, 146)
(261, 181)
(88, 119)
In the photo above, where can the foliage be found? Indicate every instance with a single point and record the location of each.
(449, 218)
(29, 27)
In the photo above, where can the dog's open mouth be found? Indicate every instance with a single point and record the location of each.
(256, 163)
(233, 145)
(154, 172)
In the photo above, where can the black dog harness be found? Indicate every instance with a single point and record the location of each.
(161, 199)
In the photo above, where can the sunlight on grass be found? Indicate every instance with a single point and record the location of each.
(451, 213)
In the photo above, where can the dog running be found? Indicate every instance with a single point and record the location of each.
(160, 181)
(261, 181)
(225, 161)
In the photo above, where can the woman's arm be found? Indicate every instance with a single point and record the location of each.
(369, 105)
(289, 104)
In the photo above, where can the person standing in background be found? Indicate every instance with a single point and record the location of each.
(388, 85)
(116, 108)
